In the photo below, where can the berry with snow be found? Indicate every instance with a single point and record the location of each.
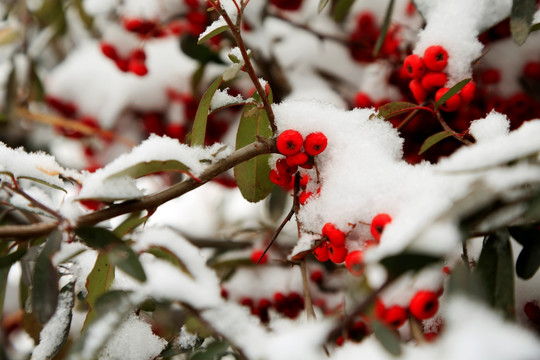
(435, 58)
(354, 262)
(378, 223)
(315, 143)
(334, 235)
(289, 142)
(424, 304)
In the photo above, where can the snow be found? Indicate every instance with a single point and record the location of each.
(492, 126)
(220, 22)
(222, 99)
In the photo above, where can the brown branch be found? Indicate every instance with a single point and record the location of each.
(27, 231)
(446, 127)
(259, 147)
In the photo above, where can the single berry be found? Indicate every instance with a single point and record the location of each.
(357, 331)
(491, 76)
(315, 143)
(435, 58)
(304, 196)
(355, 262)
(109, 50)
(283, 167)
(289, 142)
(138, 54)
(137, 67)
(279, 179)
(257, 257)
(434, 80)
(532, 310)
(334, 235)
(395, 316)
(451, 104)
(337, 254)
(414, 66)
(175, 131)
(122, 64)
(290, 5)
(418, 91)
(378, 223)
(321, 252)
(362, 100)
(297, 159)
(316, 276)
(467, 92)
(532, 70)
(424, 304)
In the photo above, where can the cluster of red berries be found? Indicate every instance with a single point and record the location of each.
(298, 153)
(428, 77)
(70, 111)
(134, 63)
(290, 305)
(422, 306)
(290, 5)
(334, 247)
(364, 37)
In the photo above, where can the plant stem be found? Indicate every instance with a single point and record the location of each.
(307, 293)
(448, 128)
(8, 232)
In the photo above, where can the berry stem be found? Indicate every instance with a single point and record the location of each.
(448, 128)
(278, 231)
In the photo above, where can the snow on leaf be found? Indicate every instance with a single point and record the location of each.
(521, 19)
(97, 283)
(199, 126)
(216, 28)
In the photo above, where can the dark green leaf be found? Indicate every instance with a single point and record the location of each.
(525, 234)
(399, 264)
(165, 254)
(11, 93)
(495, 271)
(39, 181)
(384, 29)
(201, 53)
(341, 10)
(199, 126)
(392, 109)
(521, 19)
(253, 176)
(528, 261)
(388, 338)
(37, 91)
(434, 139)
(97, 283)
(535, 27)
(212, 33)
(276, 203)
(45, 289)
(111, 300)
(322, 5)
(97, 237)
(214, 351)
(462, 282)
(151, 167)
(131, 223)
(128, 261)
(451, 92)
(9, 259)
(4, 272)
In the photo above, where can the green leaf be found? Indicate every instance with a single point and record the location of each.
(42, 182)
(525, 234)
(212, 33)
(98, 282)
(9, 259)
(384, 28)
(8, 35)
(462, 282)
(495, 270)
(128, 261)
(392, 109)
(399, 264)
(165, 254)
(388, 338)
(214, 351)
(151, 167)
(45, 289)
(97, 237)
(37, 91)
(87, 20)
(199, 126)
(528, 261)
(521, 18)
(253, 176)
(131, 223)
(434, 139)
(4, 272)
(535, 27)
(451, 92)
(322, 5)
(341, 9)
(11, 93)
(201, 53)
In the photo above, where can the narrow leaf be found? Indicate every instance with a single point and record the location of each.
(521, 18)
(387, 338)
(45, 289)
(384, 29)
(4, 272)
(341, 9)
(253, 176)
(8, 35)
(399, 264)
(215, 350)
(151, 167)
(165, 254)
(42, 182)
(451, 92)
(535, 27)
(198, 131)
(97, 283)
(322, 5)
(131, 223)
(97, 237)
(434, 139)
(528, 261)
(392, 109)
(212, 33)
(9, 259)
(201, 53)
(128, 261)
(495, 270)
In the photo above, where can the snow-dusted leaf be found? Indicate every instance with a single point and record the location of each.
(528, 261)
(97, 283)
(495, 270)
(388, 338)
(384, 28)
(434, 139)
(322, 5)
(399, 264)
(210, 33)
(392, 109)
(128, 261)
(151, 167)
(521, 19)
(55, 333)
(163, 253)
(341, 9)
(199, 126)
(129, 224)
(231, 72)
(42, 182)
(253, 176)
(451, 92)
(215, 350)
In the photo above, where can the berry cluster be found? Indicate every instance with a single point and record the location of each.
(427, 77)
(134, 63)
(422, 306)
(290, 5)
(289, 305)
(364, 37)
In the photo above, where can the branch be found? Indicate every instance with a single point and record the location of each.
(259, 147)
(27, 231)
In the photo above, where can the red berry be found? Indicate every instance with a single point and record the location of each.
(257, 257)
(491, 76)
(290, 5)
(137, 67)
(321, 252)
(414, 66)
(153, 123)
(93, 205)
(279, 178)
(334, 235)
(395, 316)
(315, 143)
(379, 309)
(337, 254)
(304, 179)
(452, 104)
(340, 340)
(304, 196)
(357, 331)
(109, 50)
(424, 304)
(418, 91)
(434, 80)
(284, 168)
(362, 100)
(355, 262)
(435, 58)
(378, 223)
(297, 159)
(532, 310)
(289, 142)
(532, 70)
(138, 54)
(316, 276)
(467, 92)
(175, 131)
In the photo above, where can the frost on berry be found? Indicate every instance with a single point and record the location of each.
(334, 235)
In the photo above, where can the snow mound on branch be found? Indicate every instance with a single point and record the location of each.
(492, 126)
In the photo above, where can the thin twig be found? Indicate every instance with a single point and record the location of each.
(278, 231)
(8, 232)
(448, 128)
(307, 292)
(34, 202)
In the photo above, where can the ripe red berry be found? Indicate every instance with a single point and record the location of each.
(175, 131)
(316, 276)
(138, 54)
(491, 76)
(258, 254)
(378, 223)
(467, 92)
(418, 91)
(452, 104)
(424, 304)
(337, 254)
(284, 168)
(304, 180)
(297, 159)
(304, 196)
(532, 310)
(289, 142)
(395, 316)
(362, 100)
(379, 309)
(357, 331)
(532, 70)
(137, 67)
(355, 262)
(279, 179)
(435, 58)
(290, 5)
(321, 252)
(109, 50)
(414, 66)
(334, 235)
(434, 80)
(315, 143)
